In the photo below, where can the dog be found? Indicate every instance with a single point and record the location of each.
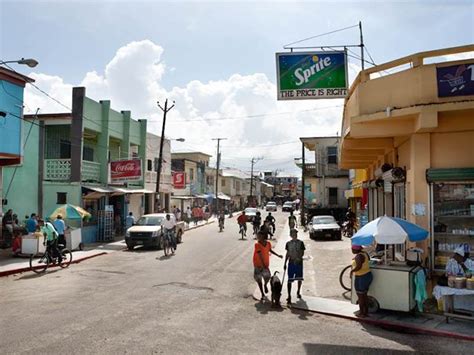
(276, 286)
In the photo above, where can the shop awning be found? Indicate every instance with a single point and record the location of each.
(96, 192)
(182, 197)
(459, 174)
(200, 196)
(353, 193)
(122, 190)
(222, 196)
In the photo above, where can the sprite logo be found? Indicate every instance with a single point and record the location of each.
(311, 75)
(303, 75)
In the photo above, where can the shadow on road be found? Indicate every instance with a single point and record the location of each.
(303, 315)
(266, 306)
(35, 276)
(165, 257)
(345, 349)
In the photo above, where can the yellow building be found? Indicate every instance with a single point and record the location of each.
(413, 132)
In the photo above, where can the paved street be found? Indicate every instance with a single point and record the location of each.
(198, 300)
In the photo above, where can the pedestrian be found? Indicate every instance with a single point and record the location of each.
(362, 280)
(177, 214)
(7, 221)
(60, 227)
(51, 236)
(261, 263)
(31, 223)
(189, 215)
(292, 221)
(129, 221)
(196, 210)
(294, 257)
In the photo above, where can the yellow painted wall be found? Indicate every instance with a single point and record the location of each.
(452, 150)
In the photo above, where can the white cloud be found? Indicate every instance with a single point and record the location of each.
(132, 81)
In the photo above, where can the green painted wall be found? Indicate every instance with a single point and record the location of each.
(116, 124)
(50, 190)
(22, 195)
(135, 132)
(92, 114)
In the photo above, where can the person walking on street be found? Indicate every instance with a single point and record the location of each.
(129, 221)
(294, 257)
(261, 263)
(189, 215)
(60, 227)
(292, 221)
(362, 280)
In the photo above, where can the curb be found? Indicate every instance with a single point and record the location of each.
(24, 269)
(388, 325)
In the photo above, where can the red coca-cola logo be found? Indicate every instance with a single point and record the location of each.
(126, 170)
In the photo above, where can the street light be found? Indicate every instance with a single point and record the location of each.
(178, 139)
(29, 62)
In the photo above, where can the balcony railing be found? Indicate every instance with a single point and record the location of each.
(60, 170)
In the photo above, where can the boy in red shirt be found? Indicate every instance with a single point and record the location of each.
(261, 262)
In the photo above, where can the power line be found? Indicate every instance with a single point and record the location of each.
(320, 35)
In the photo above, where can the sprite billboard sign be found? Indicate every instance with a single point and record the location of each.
(311, 75)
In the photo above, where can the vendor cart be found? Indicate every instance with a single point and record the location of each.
(393, 284)
(392, 287)
(74, 239)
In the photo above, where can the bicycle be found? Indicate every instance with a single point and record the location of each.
(40, 265)
(255, 229)
(166, 243)
(345, 278)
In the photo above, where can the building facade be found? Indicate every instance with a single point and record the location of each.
(413, 132)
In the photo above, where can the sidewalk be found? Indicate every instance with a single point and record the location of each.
(10, 265)
(399, 321)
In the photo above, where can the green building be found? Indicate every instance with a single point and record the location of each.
(68, 159)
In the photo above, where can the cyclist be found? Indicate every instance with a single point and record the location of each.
(271, 221)
(169, 227)
(257, 221)
(221, 218)
(242, 221)
(51, 236)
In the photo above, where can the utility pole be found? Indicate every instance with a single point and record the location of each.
(218, 162)
(165, 110)
(253, 161)
(303, 168)
(361, 45)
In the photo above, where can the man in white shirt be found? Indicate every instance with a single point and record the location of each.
(455, 265)
(169, 226)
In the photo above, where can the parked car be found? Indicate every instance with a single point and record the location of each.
(271, 206)
(250, 213)
(325, 227)
(148, 230)
(288, 206)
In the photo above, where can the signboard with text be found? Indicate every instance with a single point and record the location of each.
(179, 180)
(126, 170)
(455, 80)
(311, 75)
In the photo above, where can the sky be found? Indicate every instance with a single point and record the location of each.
(215, 59)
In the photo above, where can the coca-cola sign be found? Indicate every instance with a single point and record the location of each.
(126, 170)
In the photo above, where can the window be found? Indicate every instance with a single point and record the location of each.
(87, 153)
(149, 165)
(333, 195)
(64, 149)
(61, 198)
(191, 174)
(332, 155)
(223, 183)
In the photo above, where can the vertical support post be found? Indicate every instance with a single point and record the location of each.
(160, 156)
(78, 96)
(302, 215)
(104, 142)
(218, 162)
(361, 46)
(41, 141)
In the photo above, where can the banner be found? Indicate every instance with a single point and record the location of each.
(311, 75)
(126, 170)
(455, 80)
(179, 180)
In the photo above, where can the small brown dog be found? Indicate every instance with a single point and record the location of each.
(276, 286)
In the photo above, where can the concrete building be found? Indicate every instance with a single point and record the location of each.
(285, 186)
(234, 184)
(194, 165)
(328, 179)
(14, 133)
(69, 161)
(413, 132)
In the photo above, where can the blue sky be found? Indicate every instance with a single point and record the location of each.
(212, 41)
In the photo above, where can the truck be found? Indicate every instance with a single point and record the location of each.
(148, 231)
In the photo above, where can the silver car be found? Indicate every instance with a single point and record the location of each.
(271, 207)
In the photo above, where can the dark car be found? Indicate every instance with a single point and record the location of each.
(324, 227)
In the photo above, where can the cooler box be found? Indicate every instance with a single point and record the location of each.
(74, 239)
(32, 245)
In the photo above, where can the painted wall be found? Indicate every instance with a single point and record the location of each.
(22, 193)
(50, 190)
(444, 144)
(11, 102)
